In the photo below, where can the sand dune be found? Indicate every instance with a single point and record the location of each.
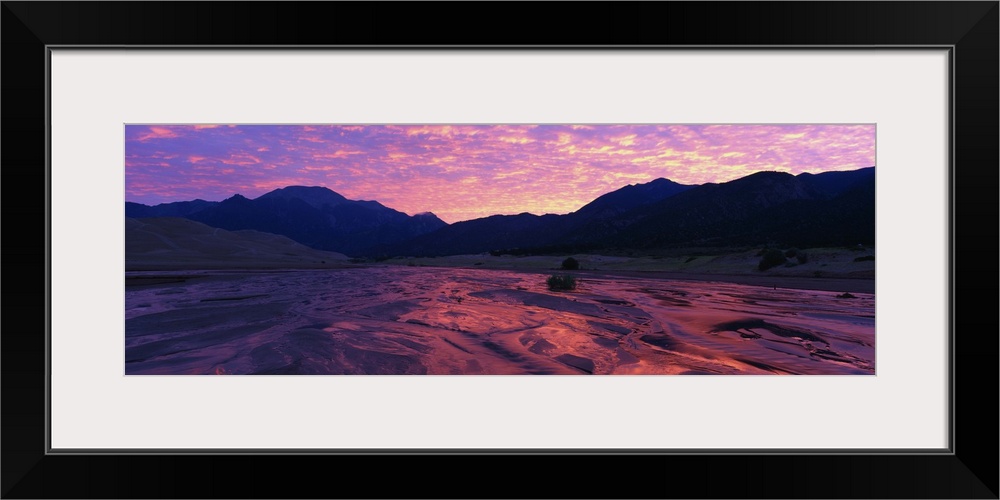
(408, 320)
(175, 243)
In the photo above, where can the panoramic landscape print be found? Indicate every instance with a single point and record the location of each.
(577, 249)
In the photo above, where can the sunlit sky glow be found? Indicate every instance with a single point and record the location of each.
(468, 171)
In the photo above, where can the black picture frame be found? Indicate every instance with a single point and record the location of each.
(969, 470)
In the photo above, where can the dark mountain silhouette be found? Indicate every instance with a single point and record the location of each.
(833, 208)
(316, 217)
(479, 235)
(175, 209)
(704, 215)
(524, 231)
(831, 184)
(628, 198)
(765, 208)
(610, 210)
(314, 196)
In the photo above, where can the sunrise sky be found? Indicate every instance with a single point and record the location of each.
(462, 172)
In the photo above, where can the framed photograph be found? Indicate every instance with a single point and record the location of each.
(542, 246)
(559, 249)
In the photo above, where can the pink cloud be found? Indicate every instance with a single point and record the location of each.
(505, 168)
(241, 159)
(515, 140)
(338, 154)
(157, 133)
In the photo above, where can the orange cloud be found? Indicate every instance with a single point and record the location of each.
(625, 140)
(444, 131)
(515, 140)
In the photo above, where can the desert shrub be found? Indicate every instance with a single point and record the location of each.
(571, 264)
(791, 252)
(771, 259)
(561, 282)
(802, 257)
(862, 259)
(690, 259)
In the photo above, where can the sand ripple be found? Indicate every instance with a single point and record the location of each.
(404, 320)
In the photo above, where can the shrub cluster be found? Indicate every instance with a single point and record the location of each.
(771, 258)
(561, 282)
(571, 264)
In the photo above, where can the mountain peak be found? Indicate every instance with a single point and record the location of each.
(657, 181)
(315, 196)
(634, 195)
(767, 173)
(298, 188)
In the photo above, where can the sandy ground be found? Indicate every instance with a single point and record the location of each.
(422, 320)
(821, 262)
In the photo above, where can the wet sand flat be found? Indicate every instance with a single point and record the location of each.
(416, 320)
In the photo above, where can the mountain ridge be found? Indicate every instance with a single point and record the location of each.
(825, 208)
(314, 216)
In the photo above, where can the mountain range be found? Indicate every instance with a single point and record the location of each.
(313, 216)
(805, 210)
